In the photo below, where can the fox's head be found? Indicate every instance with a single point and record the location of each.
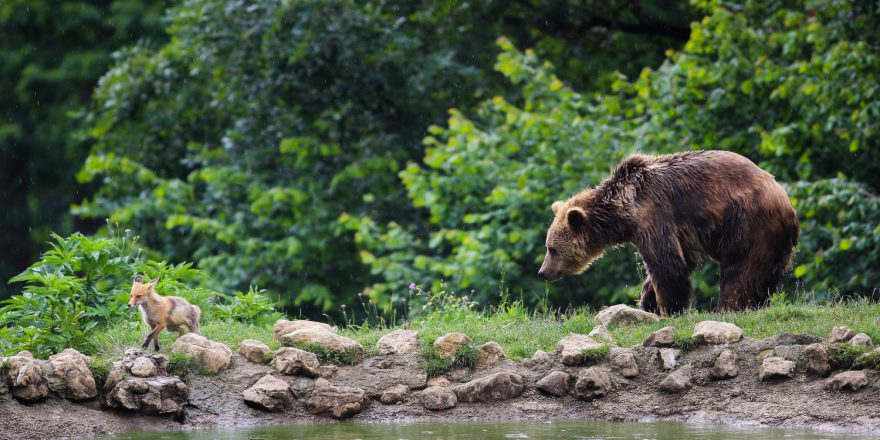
(140, 291)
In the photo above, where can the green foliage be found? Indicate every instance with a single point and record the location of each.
(465, 357)
(180, 364)
(100, 368)
(683, 339)
(595, 354)
(326, 356)
(252, 307)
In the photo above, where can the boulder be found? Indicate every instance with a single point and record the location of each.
(592, 383)
(27, 378)
(570, 348)
(447, 345)
(399, 342)
(818, 360)
(623, 362)
(283, 327)
(144, 367)
(660, 338)
(668, 357)
(624, 314)
(269, 393)
(557, 383)
(678, 381)
(848, 380)
(329, 342)
(70, 375)
(490, 355)
(154, 395)
(254, 351)
(394, 394)
(438, 398)
(776, 368)
(725, 366)
(493, 388)
(716, 332)
(207, 355)
(337, 401)
(840, 334)
(860, 340)
(292, 361)
(600, 333)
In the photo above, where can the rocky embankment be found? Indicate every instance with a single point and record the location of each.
(718, 376)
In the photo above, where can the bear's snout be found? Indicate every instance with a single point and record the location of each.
(547, 274)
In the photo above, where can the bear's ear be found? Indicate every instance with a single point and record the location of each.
(555, 206)
(577, 218)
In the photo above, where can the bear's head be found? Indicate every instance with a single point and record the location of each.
(570, 247)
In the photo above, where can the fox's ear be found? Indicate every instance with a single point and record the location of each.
(153, 283)
(138, 278)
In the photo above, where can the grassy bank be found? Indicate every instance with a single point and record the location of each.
(522, 332)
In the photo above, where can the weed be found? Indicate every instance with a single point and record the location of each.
(595, 354)
(100, 368)
(326, 356)
(179, 364)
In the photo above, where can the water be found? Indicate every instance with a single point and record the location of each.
(554, 430)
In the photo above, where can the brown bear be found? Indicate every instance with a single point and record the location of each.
(677, 209)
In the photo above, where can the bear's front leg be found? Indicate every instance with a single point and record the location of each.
(648, 301)
(668, 271)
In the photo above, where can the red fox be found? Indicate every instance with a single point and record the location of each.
(161, 312)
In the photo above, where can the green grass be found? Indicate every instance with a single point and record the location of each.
(100, 368)
(595, 354)
(179, 364)
(328, 356)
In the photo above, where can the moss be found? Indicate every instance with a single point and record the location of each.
(595, 354)
(180, 364)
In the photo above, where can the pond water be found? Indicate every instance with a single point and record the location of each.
(557, 429)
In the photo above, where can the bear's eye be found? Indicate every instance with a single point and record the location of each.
(551, 250)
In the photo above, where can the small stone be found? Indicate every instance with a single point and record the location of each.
(570, 348)
(339, 402)
(541, 359)
(818, 360)
(447, 345)
(668, 357)
(678, 381)
(395, 394)
(860, 340)
(624, 314)
(840, 334)
(848, 380)
(399, 342)
(716, 332)
(592, 383)
(624, 363)
(269, 393)
(292, 361)
(557, 383)
(493, 388)
(254, 351)
(144, 367)
(660, 338)
(725, 366)
(490, 355)
(600, 333)
(437, 398)
(776, 368)
(283, 327)
(208, 355)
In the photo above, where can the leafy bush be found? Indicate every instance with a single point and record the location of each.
(252, 307)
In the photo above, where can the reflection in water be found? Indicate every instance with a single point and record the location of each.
(557, 429)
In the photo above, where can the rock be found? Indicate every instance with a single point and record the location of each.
(490, 355)
(668, 357)
(269, 393)
(570, 348)
(541, 359)
(660, 338)
(860, 340)
(438, 398)
(144, 367)
(70, 375)
(346, 348)
(409, 370)
(207, 355)
(848, 380)
(493, 388)
(725, 366)
(27, 378)
(715, 332)
(592, 383)
(600, 333)
(678, 381)
(339, 402)
(557, 383)
(116, 374)
(283, 327)
(25, 354)
(623, 362)
(776, 368)
(154, 395)
(301, 386)
(292, 361)
(624, 314)
(438, 381)
(818, 360)
(254, 351)
(447, 345)
(395, 394)
(868, 358)
(327, 371)
(840, 334)
(399, 342)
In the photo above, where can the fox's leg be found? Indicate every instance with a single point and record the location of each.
(149, 336)
(154, 335)
(192, 321)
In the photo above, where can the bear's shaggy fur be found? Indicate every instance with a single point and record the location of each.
(677, 209)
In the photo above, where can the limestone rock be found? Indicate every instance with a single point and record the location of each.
(339, 402)
(848, 380)
(725, 366)
(840, 334)
(438, 398)
(818, 360)
(678, 381)
(623, 362)
(860, 340)
(254, 350)
(144, 367)
(541, 359)
(668, 357)
(283, 327)
(27, 378)
(557, 383)
(292, 361)
(399, 342)
(394, 394)
(492, 388)
(624, 314)
(600, 333)
(447, 345)
(490, 355)
(207, 355)
(154, 395)
(776, 368)
(660, 338)
(438, 381)
(592, 383)
(269, 393)
(570, 348)
(70, 375)
(716, 332)
(330, 342)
